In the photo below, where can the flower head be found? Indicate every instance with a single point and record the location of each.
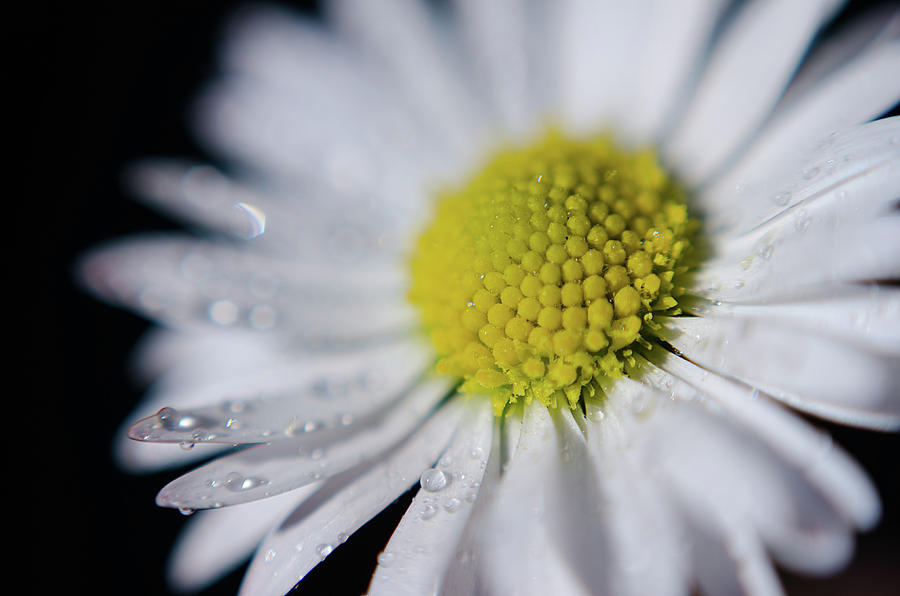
(581, 341)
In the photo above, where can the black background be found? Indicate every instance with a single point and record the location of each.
(102, 84)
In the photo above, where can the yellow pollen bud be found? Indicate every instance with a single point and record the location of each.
(536, 278)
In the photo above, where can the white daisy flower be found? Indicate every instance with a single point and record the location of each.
(581, 347)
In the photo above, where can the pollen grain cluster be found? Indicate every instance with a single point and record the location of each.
(534, 280)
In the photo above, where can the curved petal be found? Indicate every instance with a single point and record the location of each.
(745, 207)
(519, 516)
(284, 402)
(812, 453)
(271, 469)
(422, 546)
(597, 45)
(836, 98)
(748, 71)
(343, 505)
(402, 36)
(831, 239)
(865, 316)
(672, 45)
(215, 541)
(807, 370)
(191, 284)
(496, 35)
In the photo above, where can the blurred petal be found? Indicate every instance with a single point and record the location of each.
(748, 71)
(343, 505)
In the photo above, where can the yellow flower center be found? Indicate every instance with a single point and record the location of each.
(534, 280)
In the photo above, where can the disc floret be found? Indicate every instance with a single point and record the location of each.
(534, 280)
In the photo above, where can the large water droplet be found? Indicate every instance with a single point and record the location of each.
(223, 312)
(324, 550)
(236, 482)
(434, 480)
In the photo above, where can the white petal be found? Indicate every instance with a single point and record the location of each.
(495, 33)
(825, 165)
(465, 573)
(749, 69)
(596, 60)
(519, 516)
(283, 222)
(194, 284)
(675, 36)
(645, 551)
(866, 316)
(333, 117)
(807, 370)
(216, 541)
(831, 238)
(424, 543)
(274, 468)
(343, 505)
(404, 37)
(841, 96)
(727, 556)
(307, 395)
(714, 465)
(824, 465)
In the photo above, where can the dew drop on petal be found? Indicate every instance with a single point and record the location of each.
(781, 199)
(223, 312)
(386, 559)
(434, 480)
(236, 482)
(324, 550)
(452, 505)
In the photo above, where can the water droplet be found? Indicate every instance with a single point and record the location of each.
(223, 312)
(476, 453)
(317, 453)
(262, 317)
(249, 220)
(801, 224)
(434, 480)
(766, 252)
(236, 482)
(186, 445)
(270, 554)
(428, 511)
(185, 511)
(386, 559)
(811, 172)
(342, 537)
(445, 461)
(232, 423)
(782, 198)
(324, 550)
(452, 505)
